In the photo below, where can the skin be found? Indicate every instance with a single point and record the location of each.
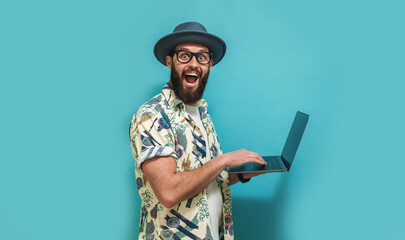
(171, 187)
(191, 67)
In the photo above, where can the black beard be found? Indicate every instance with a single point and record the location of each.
(186, 96)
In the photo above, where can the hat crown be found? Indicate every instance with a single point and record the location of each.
(189, 32)
(190, 26)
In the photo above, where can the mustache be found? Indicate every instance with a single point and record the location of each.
(191, 70)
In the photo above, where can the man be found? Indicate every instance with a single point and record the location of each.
(179, 165)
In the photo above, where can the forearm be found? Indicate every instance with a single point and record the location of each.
(172, 187)
(184, 185)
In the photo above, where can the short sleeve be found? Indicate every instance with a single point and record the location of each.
(150, 136)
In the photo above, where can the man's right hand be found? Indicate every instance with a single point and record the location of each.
(242, 156)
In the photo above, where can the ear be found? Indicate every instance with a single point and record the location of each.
(169, 62)
(211, 63)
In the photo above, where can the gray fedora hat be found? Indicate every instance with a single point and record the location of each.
(190, 32)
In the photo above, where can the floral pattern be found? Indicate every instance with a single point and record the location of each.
(161, 127)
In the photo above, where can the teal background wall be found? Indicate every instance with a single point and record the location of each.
(72, 73)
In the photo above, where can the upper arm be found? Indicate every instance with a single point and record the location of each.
(160, 172)
(150, 137)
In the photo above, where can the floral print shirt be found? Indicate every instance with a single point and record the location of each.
(162, 127)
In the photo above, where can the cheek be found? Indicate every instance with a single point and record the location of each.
(178, 69)
(206, 71)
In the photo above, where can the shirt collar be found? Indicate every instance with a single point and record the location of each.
(174, 101)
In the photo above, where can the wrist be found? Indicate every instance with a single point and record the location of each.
(242, 179)
(224, 161)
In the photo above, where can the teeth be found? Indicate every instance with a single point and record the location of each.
(192, 74)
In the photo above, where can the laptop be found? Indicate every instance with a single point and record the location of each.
(280, 163)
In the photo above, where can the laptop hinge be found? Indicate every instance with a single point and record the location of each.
(286, 163)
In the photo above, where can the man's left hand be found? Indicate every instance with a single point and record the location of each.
(234, 176)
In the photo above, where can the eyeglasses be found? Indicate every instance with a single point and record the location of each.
(184, 56)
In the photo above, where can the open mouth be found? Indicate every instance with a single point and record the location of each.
(191, 77)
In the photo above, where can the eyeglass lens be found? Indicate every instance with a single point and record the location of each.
(185, 56)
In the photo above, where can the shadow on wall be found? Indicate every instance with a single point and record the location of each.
(261, 218)
(135, 207)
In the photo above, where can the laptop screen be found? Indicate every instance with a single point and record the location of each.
(294, 138)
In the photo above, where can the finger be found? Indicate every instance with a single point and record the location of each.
(261, 159)
(256, 155)
(257, 160)
(247, 175)
(264, 162)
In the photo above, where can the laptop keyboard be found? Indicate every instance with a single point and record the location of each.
(274, 163)
(261, 167)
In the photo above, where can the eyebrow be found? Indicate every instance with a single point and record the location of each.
(188, 49)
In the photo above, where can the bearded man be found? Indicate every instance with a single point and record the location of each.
(179, 165)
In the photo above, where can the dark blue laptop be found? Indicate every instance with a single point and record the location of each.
(280, 163)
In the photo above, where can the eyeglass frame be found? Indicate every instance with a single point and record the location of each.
(192, 55)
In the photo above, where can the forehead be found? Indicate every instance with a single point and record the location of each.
(192, 47)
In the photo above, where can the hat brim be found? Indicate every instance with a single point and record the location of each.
(167, 43)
